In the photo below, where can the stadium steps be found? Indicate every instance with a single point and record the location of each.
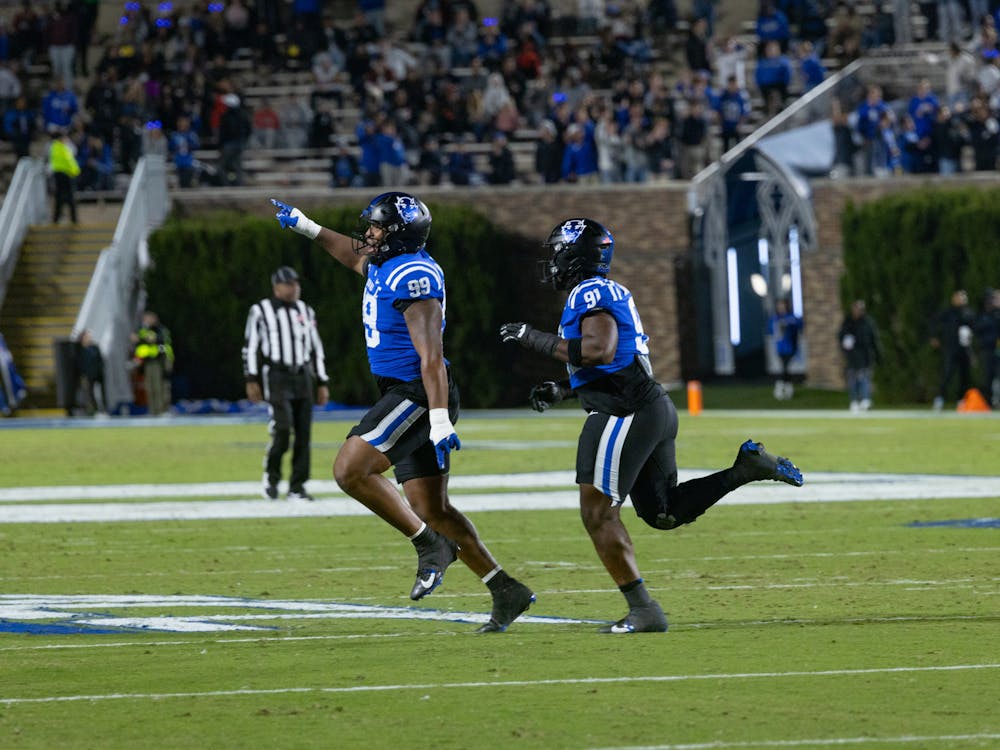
(44, 297)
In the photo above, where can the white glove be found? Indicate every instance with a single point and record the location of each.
(291, 218)
(443, 435)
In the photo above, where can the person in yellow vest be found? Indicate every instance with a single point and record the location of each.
(154, 352)
(65, 169)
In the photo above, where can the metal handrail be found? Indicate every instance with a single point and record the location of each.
(25, 204)
(115, 295)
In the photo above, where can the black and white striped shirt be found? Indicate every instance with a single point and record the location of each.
(282, 336)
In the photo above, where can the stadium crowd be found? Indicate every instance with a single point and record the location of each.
(462, 98)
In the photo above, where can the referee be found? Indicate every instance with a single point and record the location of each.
(282, 356)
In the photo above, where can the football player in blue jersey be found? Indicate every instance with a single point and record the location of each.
(411, 428)
(626, 447)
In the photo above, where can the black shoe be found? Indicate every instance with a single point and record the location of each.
(648, 618)
(270, 492)
(759, 464)
(434, 556)
(509, 603)
(299, 495)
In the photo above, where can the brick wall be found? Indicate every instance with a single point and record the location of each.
(650, 225)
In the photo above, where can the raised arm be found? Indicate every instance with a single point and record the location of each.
(340, 246)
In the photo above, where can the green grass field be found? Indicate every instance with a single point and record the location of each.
(793, 624)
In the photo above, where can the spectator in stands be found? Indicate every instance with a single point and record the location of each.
(367, 132)
(501, 161)
(462, 37)
(949, 135)
(693, 140)
(394, 168)
(461, 169)
(344, 169)
(923, 108)
(662, 16)
(773, 76)
(321, 127)
(730, 60)
(811, 68)
(494, 98)
(183, 143)
(845, 141)
(869, 115)
(374, 13)
(635, 157)
(887, 154)
(266, 125)
(696, 48)
(580, 154)
(917, 153)
(131, 120)
(845, 36)
(28, 36)
(60, 33)
(238, 29)
(86, 21)
(548, 153)
(661, 150)
(59, 106)
(733, 108)
(10, 86)
(97, 164)
(295, 116)
(609, 144)
(19, 125)
(902, 28)
(102, 104)
(433, 162)
(772, 26)
(949, 20)
(234, 132)
(959, 75)
(492, 44)
(984, 135)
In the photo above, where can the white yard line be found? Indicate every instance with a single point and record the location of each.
(35, 504)
(937, 740)
(510, 683)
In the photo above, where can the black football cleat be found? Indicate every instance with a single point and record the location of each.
(509, 603)
(759, 464)
(648, 618)
(434, 557)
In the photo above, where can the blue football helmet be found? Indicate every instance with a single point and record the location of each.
(581, 248)
(405, 220)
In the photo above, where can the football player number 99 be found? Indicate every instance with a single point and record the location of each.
(369, 315)
(419, 287)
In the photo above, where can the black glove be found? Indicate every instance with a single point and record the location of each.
(546, 394)
(528, 337)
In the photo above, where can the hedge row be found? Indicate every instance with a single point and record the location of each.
(208, 270)
(905, 255)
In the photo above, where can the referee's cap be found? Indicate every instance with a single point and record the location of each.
(284, 275)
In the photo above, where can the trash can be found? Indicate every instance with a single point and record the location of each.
(64, 355)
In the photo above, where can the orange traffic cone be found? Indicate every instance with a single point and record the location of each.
(973, 401)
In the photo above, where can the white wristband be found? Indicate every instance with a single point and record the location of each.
(305, 225)
(439, 418)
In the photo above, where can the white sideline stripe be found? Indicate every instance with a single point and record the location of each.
(503, 684)
(824, 742)
(820, 487)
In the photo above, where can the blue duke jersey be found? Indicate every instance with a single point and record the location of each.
(388, 291)
(625, 384)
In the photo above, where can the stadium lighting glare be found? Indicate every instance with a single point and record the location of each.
(759, 284)
(763, 252)
(732, 270)
(796, 270)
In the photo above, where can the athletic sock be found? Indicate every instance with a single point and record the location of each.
(635, 593)
(496, 579)
(418, 532)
